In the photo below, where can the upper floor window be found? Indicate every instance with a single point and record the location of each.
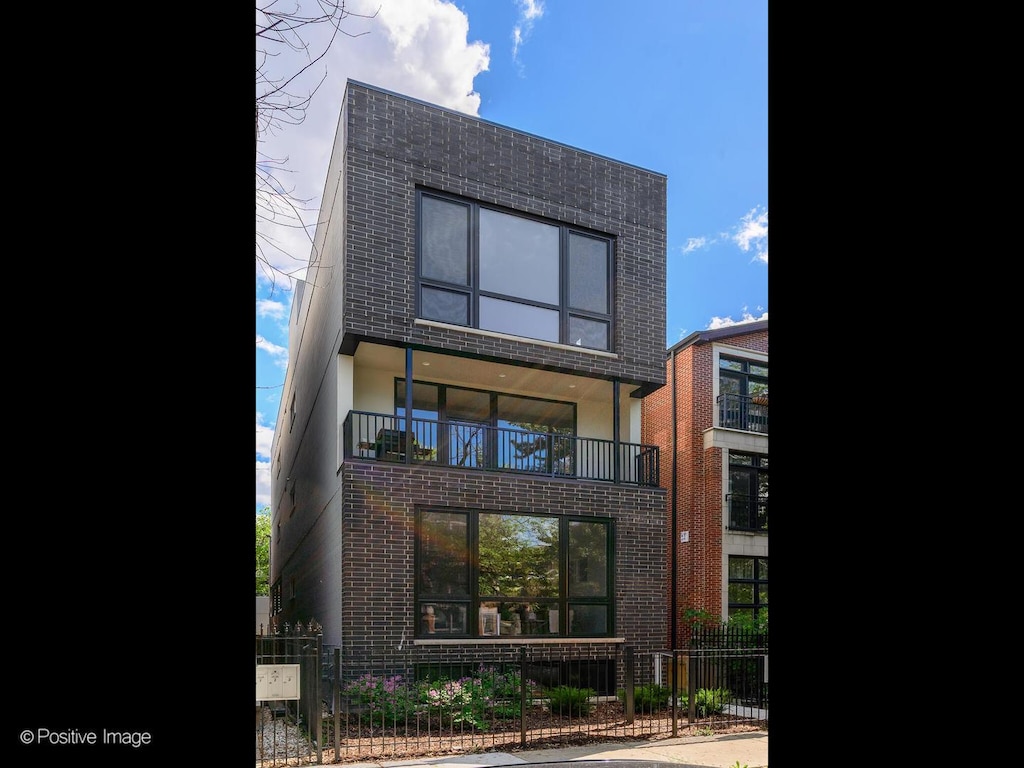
(743, 394)
(748, 492)
(488, 269)
(483, 574)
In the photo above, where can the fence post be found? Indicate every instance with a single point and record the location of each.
(336, 698)
(691, 688)
(318, 705)
(522, 695)
(628, 681)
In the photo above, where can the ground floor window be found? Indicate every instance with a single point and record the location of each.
(748, 586)
(487, 574)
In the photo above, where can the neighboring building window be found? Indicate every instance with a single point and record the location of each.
(748, 585)
(291, 413)
(484, 574)
(497, 271)
(743, 394)
(748, 492)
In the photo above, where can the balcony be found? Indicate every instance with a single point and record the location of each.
(747, 513)
(465, 445)
(743, 412)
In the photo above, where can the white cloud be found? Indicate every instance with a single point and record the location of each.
(264, 436)
(724, 322)
(272, 309)
(276, 351)
(264, 445)
(696, 244)
(417, 48)
(262, 483)
(529, 11)
(752, 231)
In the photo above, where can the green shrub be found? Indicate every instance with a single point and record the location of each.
(567, 700)
(711, 701)
(648, 698)
(455, 701)
(385, 701)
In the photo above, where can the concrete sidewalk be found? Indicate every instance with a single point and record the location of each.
(748, 749)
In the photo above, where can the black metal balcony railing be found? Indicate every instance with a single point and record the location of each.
(743, 412)
(384, 437)
(747, 513)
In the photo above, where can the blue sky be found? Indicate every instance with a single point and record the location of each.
(674, 86)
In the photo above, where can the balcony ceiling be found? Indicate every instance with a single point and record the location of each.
(485, 375)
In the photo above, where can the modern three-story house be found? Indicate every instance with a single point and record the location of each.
(457, 459)
(711, 422)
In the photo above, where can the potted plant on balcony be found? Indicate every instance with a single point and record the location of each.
(761, 398)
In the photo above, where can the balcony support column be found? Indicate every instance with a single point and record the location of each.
(408, 406)
(616, 437)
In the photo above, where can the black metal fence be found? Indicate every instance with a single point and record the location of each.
(436, 700)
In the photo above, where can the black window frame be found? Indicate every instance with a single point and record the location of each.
(472, 292)
(565, 601)
(749, 506)
(760, 563)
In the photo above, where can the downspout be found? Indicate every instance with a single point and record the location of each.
(675, 533)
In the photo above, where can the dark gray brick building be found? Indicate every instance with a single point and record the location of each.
(505, 497)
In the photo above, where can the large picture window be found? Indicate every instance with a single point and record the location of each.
(486, 574)
(498, 271)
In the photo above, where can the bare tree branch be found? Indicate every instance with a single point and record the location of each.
(283, 30)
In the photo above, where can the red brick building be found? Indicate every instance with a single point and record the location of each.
(710, 422)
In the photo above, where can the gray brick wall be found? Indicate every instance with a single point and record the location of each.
(395, 144)
(379, 504)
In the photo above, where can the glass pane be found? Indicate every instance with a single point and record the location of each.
(535, 415)
(592, 334)
(518, 556)
(467, 445)
(424, 411)
(762, 594)
(744, 459)
(518, 257)
(758, 370)
(588, 273)
(728, 385)
(518, 319)
(527, 618)
(741, 567)
(467, 404)
(445, 241)
(588, 559)
(588, 619)
(443, 618)
(762, 569)
(741, 593)
(445, 306)
(739, 482)
(443, 555)
(731, 365)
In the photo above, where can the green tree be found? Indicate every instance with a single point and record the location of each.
(263, 552)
